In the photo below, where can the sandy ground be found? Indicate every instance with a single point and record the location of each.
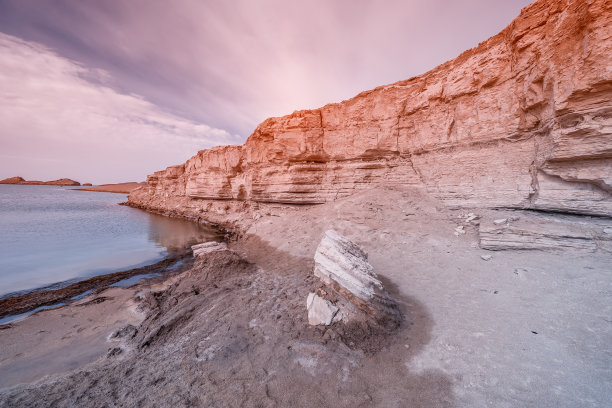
(57, 341)
(125, 188)
(526, 328)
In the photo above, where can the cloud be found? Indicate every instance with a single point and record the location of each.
(59, 118)
(233, 63)
(152, 71)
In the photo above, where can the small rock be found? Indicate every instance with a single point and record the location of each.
(608, 231)
(500, 221)
(128, 331)
(486, 257)
(459, 230)
(208, 247)
(470, 217)
(521, 272)
(514, 218)
(320, 311)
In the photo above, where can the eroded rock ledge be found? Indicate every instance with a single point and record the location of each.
(523, 120)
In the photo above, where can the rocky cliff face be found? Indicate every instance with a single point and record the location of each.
(524, 120)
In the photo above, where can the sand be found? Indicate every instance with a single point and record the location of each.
(526, 328)
(124, 188)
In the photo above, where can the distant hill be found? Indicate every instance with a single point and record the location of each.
(21, 180)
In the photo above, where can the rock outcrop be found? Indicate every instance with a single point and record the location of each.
(542, 231)
(351, 291)
(523, 120)
(59, 182)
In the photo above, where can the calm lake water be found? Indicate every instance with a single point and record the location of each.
(52, 234)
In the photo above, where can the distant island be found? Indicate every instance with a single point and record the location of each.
(21, 180)
(124, 188)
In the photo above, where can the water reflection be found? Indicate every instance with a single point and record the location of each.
(51, 235)
(175, 234)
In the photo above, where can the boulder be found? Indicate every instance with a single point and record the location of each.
(350, 288)
(340, 261)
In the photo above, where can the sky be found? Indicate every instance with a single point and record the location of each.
(107, 91)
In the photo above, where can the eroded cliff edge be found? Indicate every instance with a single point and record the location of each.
(523, 120)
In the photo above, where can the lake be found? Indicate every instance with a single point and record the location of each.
(54, 235)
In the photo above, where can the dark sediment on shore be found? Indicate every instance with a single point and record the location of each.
(23, 303)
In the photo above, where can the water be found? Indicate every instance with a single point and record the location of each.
(52, 234)
(21, 316)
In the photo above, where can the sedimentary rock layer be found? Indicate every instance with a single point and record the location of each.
(523, 120)
(351, 291)
(543, 231)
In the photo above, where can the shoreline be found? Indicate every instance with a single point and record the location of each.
(23, 302)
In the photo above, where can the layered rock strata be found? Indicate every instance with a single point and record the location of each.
(523, 120)
(543, 231)
(351, 291)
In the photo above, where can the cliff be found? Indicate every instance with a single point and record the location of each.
(59, 182)
(523, 120)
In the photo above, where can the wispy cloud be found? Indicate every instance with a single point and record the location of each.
(228, 64)
(233, 63)
(59, 118)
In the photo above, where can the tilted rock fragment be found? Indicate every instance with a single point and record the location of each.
(351, 285)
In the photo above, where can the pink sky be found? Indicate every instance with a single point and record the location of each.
(110, 91)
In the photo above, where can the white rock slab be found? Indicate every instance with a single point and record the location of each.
(208, 247)
(320, 311)
(339, 260)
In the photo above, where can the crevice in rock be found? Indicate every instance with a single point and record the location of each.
(553, 211)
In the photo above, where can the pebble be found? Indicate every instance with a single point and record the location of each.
(470, 217)
(486, 257)
(608, 231)
(500, 221)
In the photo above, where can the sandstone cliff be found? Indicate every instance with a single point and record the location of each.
(523, 120)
